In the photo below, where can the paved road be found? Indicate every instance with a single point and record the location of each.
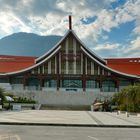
(67, 133)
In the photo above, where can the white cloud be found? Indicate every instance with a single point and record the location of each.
(51, 13)
(9, 23)
(108, 49)
(134, 48)
(107, 46)
(136, 43)
(47, 17)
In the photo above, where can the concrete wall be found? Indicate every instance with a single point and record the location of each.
(50, 96)
(63, 97)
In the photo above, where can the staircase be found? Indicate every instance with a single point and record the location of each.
(64, 107)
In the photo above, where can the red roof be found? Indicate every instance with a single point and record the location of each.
(15, 63)
(125, 65)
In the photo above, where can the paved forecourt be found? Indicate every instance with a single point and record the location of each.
(57, 117)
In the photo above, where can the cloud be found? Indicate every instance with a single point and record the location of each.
(47, 17)
(108, 49)
(131, 49)
(106, 46)
(134, 48)
(9, 23)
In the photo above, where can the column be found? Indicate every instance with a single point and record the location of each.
(74, 52)
(84, 76)
(57, 71)
(24, 83)
(67, 51)
(100, 85)
(41, 82)
(117, 85)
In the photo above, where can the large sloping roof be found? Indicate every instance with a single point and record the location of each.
(63, 38)
(34, 65)
(125, 65)
(15, 63)
(30, 64)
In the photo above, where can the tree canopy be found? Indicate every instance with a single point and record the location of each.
(128, 99)
(2, 97)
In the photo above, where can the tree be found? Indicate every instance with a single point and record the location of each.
(128, 99)
(2, 96)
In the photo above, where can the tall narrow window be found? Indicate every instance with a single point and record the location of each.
(88, 66)
(53, 65)
(95, 69)
(46, 68)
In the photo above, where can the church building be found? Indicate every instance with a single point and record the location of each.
(69, 73)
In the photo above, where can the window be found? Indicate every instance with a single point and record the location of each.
(78, 67)
(70, 68)
(53, 65)
(92, 84)
(70, 44)
(88, 66)
(71, 84)
(95, 69)
(50, 83)
(125, 83)
(46, 68)
(33, 82)
(16, 81)
(3, 80)
(63, 67)
(108, 86)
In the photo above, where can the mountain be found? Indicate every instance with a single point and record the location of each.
(27, 44)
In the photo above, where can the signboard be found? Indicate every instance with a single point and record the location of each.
(17, 107)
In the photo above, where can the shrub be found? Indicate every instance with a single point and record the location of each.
(25, 100)
(128, 99)
(2, 95)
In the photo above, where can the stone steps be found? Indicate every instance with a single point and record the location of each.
(64, 107)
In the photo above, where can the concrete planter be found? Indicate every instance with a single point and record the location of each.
(92, 108)
(127, 114)
(23, 106)
(121, 112)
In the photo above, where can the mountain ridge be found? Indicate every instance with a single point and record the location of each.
(27, 44)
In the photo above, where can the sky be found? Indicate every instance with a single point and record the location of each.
(111, 28)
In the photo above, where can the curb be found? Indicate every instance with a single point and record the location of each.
(69, 125)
